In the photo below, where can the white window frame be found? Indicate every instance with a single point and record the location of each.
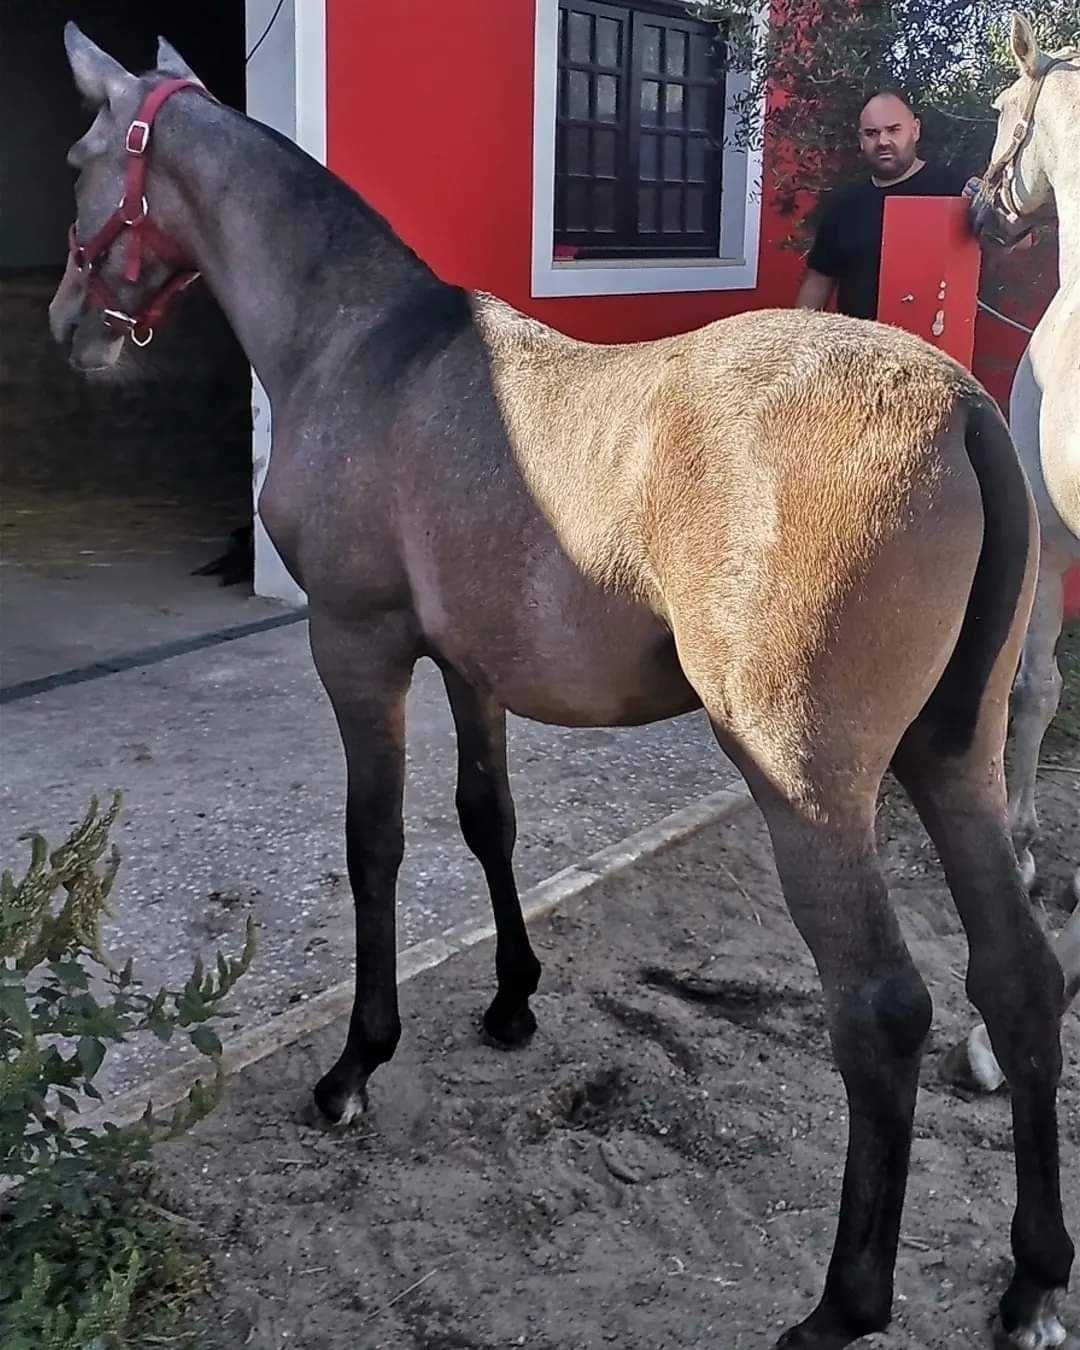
(735, 268)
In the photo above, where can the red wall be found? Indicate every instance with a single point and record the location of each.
(429, 117)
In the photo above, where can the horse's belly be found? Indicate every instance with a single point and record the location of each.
(609, 689)
(608, 664)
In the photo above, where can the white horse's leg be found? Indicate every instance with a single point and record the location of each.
(1035, 700)
(1067, 947)
(973, 1063)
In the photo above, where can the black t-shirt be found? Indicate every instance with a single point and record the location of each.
(848, 243)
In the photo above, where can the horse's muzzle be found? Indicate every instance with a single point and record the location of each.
(90, 347)
(988, 222)
(66, 306)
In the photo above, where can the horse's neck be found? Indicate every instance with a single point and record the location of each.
(1066, 183)
(1068, 213)
(296, 260)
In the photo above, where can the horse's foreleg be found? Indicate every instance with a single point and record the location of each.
(1034, 702)
(486, 810)
(366, 670)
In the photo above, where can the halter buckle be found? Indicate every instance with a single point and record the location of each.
(138, 137)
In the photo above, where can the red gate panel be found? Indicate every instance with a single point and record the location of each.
(930, 286)
(930, 272)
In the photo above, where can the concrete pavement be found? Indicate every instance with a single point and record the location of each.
(233, 777)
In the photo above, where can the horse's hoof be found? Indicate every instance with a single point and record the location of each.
(803, 1338)
(1043, 1330)
(1027, 870)
(506, 1032)
(973, 1065)
(824, 1329)
(337, 1102)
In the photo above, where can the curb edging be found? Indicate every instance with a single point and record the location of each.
(172, 1085)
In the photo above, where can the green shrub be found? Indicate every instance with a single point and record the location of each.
(85, 1254)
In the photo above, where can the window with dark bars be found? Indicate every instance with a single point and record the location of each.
(639, 132)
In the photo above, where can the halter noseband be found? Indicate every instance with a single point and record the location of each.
(144, 236)
(1001, 175)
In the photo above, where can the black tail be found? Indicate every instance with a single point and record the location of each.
(1009, 532)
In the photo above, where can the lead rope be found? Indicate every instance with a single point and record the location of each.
(1013, 323)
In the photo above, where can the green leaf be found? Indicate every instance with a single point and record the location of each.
(205, 1039)
(13, 1006)
(91, 1052)
(71, 973)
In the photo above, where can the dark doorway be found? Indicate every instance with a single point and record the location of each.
(146, 474)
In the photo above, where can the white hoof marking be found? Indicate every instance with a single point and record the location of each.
(985, 1069)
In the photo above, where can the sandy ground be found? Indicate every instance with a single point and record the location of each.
(659, 1169)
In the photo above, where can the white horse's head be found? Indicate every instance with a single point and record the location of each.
(1019, 185)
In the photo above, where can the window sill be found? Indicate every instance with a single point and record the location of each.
(642, 276)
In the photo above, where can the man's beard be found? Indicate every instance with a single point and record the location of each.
(892, 168)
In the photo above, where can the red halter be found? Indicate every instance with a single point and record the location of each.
(145, 236)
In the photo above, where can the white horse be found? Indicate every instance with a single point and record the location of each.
(1036, 167)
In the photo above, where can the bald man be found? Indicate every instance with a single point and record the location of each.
(846, 256)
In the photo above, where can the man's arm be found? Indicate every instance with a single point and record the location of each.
(824, 262)
(816, 290)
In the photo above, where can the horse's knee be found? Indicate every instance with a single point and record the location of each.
(1037, 691)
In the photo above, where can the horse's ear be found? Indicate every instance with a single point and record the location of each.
(1025, 46)
(170, 62)
(98, 77)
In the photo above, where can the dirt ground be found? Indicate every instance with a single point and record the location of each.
(659, 1169)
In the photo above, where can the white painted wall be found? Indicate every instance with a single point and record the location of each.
(286, 89)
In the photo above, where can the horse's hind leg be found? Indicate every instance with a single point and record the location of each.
(1015, 981)
(973, 1063)
(486, 811)
(879, 1012)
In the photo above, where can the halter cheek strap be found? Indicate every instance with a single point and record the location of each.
(143, 236)
(1001, 175)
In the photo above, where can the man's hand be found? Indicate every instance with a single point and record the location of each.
(816, 290)
(1029, 240)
